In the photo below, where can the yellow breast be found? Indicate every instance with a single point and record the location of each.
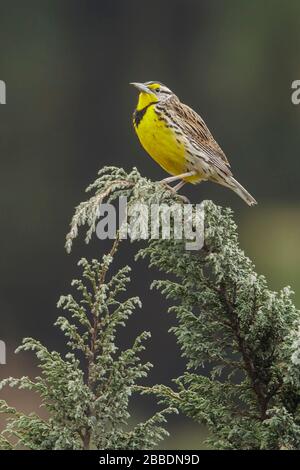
(161, 142)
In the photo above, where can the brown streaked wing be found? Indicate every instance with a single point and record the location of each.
(193, 125)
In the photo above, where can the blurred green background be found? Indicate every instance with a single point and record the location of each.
(67, 65)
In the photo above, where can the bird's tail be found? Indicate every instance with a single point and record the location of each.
(240, 191)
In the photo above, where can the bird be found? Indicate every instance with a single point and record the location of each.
(178, 139)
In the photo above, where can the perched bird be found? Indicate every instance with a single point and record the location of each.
(177, 138)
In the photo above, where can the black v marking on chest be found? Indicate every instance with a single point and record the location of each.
(139, 114)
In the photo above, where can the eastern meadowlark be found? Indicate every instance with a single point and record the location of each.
(177, 138)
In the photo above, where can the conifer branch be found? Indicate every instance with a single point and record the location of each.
(86, 393)
(226, 319)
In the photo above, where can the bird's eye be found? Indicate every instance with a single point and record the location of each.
(157, 89)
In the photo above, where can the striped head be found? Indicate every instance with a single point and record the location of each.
(151, 92)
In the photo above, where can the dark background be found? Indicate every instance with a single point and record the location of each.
(67, 65)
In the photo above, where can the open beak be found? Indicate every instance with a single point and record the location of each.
(141, 87)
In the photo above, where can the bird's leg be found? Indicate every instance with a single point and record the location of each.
(170, 179)
(178, 186)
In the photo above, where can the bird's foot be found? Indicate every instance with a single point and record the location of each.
(174, 189)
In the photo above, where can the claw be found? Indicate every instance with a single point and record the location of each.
(174, 191)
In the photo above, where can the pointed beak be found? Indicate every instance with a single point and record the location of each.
(141, 87)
